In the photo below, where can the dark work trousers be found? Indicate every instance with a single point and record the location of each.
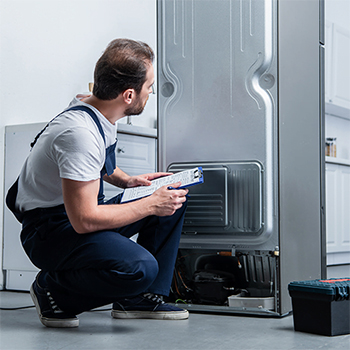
(85, 271)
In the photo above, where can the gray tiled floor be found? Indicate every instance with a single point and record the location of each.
(21, 330)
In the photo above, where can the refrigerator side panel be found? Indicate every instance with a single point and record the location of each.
(300, 127)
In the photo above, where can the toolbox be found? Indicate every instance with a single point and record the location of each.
(321, 306)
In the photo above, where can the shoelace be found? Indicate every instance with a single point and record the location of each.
(53, 304)
(154, 297)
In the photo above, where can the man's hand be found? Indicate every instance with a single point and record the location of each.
(145, 179)
(165, 202)
(123, 180)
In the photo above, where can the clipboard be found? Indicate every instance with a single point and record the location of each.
(187, 178)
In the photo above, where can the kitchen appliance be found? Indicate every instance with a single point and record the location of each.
(241, 94)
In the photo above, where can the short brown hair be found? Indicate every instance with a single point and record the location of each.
(122, 66)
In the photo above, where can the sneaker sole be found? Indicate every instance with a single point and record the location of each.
(155, 315)
(49, 322)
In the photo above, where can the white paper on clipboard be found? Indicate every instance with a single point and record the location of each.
(187, 178)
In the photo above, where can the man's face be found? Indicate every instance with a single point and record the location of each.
(137, 107)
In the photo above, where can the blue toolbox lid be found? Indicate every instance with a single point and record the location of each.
(338, 288)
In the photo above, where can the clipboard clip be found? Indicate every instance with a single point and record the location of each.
(198, 173)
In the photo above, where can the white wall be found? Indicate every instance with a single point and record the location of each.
(48, 49)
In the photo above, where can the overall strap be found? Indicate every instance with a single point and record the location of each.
(92, 115)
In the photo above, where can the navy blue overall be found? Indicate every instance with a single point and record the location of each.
(85, 271)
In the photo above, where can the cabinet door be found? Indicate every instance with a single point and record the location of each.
(338, 208)
(344, 194)
(135, 155)
(331, 207)
(340, 67)
(328, 61)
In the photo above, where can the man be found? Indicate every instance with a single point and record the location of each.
(81, 244)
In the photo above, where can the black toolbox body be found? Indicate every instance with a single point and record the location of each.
(321, 306)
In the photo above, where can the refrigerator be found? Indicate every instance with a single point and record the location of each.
(240, 93)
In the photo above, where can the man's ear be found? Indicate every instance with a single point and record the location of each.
(129, 95)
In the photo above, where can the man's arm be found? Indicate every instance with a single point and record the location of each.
(85, 215)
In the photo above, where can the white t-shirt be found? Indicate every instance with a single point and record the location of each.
(72, 148)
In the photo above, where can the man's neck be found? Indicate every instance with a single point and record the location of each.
(111, 109)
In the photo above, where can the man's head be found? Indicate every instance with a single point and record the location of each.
(123, 65)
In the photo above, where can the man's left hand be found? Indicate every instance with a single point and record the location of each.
(145, 179)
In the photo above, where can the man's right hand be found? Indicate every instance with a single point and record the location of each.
(165, 201)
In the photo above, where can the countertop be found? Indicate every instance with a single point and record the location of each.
(335, 160)
(137, 130)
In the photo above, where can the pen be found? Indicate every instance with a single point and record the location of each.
(172, 188)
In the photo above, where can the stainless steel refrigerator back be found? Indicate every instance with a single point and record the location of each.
(218, 104)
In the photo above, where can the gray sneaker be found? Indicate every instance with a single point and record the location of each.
(147, 305)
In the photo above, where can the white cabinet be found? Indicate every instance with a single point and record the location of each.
(337, 65)
(338, 213)
(19, 270)
(337, 98)
(136, 154)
